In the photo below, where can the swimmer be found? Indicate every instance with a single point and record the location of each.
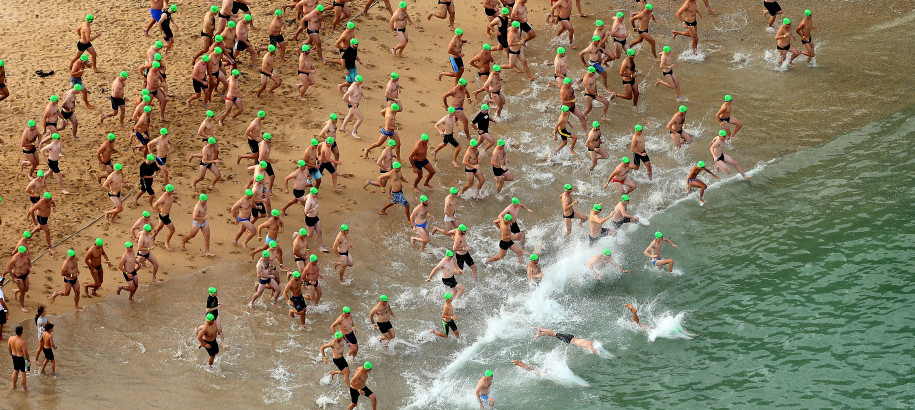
(420, 218)
(688, 14)
(233, 99)
(350, 56)
(381, 316)
(572, 340)
(482, 391)
(30, 144)
(328, 162)
(103, 154)
(145, 243)
(639, 155)
(273, 225)
(620, 178)
(483, 61)
(589, 81)
(568, 210)
(352, 97)
(515, 50)
(667, 72)
(653, 252)
(212, 308)
(93, 261)
(596, 224)
(519, 13)
(506, 239)
(803, 31)
(449, 268)
(70, 271)
(20, 355)
(562, 9)
(53, 152)
(595, 147)
(619, 214)
(560, 131)
(357, 386)
(128, 267)
(635, 318)
(275, 34)
(493, 87)
(567, 97)
(347, 327)
(293, 294)
(448, 318)
(420, 162)
(629, 72)
(84, 31)
(725, 118)
(342, 248)
(398, 23)
(341, 12)
(458, 93)
(445, 128)
(722, 160)
(46, 345)
(472, 170)
(267, 73)
(561, 66)
(450, 214)
(534, 274)
(208, 161)
(163, 146)
(783, 43)
(600, 260)
(392, 90)
(19, 268)
(312, 275)
(644, 17)
(336, 346)
(499, 162)
(675, 128)
(40, 214)
(68, 107)
(693, 181)
(199, 219)
(306, 72)
(163, 206)
(773, 9)
(265, 278)
(388, 131)
(206, 335)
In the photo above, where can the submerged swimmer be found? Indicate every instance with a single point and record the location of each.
(572, 340)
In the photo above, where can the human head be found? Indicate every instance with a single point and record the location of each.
(424, 137)
(606, 252)
(624, 198)
(359, 78)
(462, 81)
(449, 253)
(169, 188)
(47, 195)
(99, 242)
(599, 23)
(344, 228)
(666, 49)
(90, 17)
(211, 291)
(21, 249)
(275, 212)
(458, 32)
(500, 142)
(313, 191)
(596, 208)
(353, 42)
(560, 50)
(423, 199)
(403, 4)
(210, 317)
(728, 98)
(453, 190)
(474, 142)
(462, 228)
(231, 24)
(84, 58)
(682, 108)
(658, 235)
(396, 165)
(203, 197)
(346, 310)
(320, 8)
(487, 47)
(265, 254)
(383, 298)
(649, 7)
(507, 218)
(211, 140)
(722, 133)
(350, 25)
(146, 214)
(807, 12)
(395, 107)
(296, 274)
(630, 52)
(448, 296)
(625, 160)
(638, 128)
(701, 164)
(535, 257)
(71, 253)
(567, 187)
(786, 21)
(516, 24)
(147, 227)
(367, 365)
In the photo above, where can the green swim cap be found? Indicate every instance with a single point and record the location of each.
(516, 201)
(247, 17)
(90, 17)
(624, 198)
(333, 116)
(163, 131)
(359, 78)
(314, 142)
(214, 9)
(203, 197)
(595, 124)
(383, 298)
(346, 309)
(567, 80)
(396, 165)
(638, 127)
(367, 365)
(682, 108)
(169, 188)
(313, 258)
(462, 227)
(272, 244)
(155, 64)
(40, 173)
(47, 195)
(500, 142)
(306, 48)
(620, 14)
(403, 4)
(625, 160)
(350, 25)
(271, 48)
(701, 164)
(567, 187)
(658, 234)
(497, 68)
(786, 21)
(211, 290)
(727, 97)
(235, 73)
(320, 8)
(330, 140)
(474, 142)
(21, 249)
(265, 254)
(807, 12)
(630, 52)
(353, 41)
(301, 163)
(448, 296)
(666, 49)
(313, 191)
(462, 81)
(99, 242)
(722, 133)
(344, 228)
(259, 178)
(54, 98)
(71, 253)
(534, 257)
(157, 56)
(596, 207)
(599, 23)
(150, 157)
(561, 50)
(488, 373)
(31, 123)
(392, 143)
(84, 58)
(505, 10)
(458, 31)
(395, 107)
(146, 214)
(507, 217)
(55, 136)
(423, 198)
(303, 232)
(128, 245)
(275, 212)
(296, 274)
(147, 227)
(210, 317)
(78, 87)
(277, 13)
(606, 252)
(487, 46)
(453, 190)
(249, 192)
(111, 136)
(395, 76)
(564, 108)
(649, 7)
(205, 58)
(592, 69)
(595, 38)
(338, 335)
(451, 110)
(217, 50)
(231, 24)
(26, 234)
(210, 114)
(424, 137)
(449, 253)
(159, 44)
(516, 24)
(211, 140)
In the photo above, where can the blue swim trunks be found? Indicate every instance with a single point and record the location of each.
(76, 80)
(351, 75)
(456, 63)
(397, 198)
(387, 133)
(315, 173)
(156, 14)
(597, 66)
